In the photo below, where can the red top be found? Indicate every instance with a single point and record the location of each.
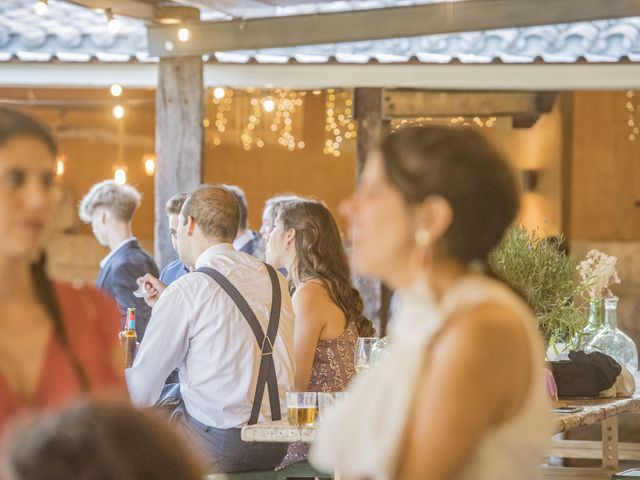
(92, 323)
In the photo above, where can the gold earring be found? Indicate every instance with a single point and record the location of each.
(423, 237)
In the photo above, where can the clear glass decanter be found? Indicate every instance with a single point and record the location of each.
(594, 324)
(613, 341)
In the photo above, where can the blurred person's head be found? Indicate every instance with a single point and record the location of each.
(209, 216)
(269, 213)
(430, 195)
(173, 209)
(307, 243)
(109, 208)
(97, 441)
(27, 172)
(242, 204)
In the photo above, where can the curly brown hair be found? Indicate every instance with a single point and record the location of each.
(320, 255)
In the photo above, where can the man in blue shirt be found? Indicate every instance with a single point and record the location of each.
(175, 269)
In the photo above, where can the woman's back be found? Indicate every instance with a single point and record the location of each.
(509, 450)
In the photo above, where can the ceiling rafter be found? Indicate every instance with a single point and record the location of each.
(382, 23)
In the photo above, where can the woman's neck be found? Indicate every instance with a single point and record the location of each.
(443, 275)
(16, 283)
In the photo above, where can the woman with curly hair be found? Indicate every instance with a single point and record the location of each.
(328, 309)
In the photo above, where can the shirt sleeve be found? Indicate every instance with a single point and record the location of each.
(164, 346)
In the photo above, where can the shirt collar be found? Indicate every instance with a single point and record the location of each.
(214, 250)
(106, 259)
(243, 239)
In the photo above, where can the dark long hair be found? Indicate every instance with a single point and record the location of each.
(16, 124)
(320, 255)
(461, 166)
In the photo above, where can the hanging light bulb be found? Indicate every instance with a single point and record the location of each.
(118, 111)
(41, 7)
(149, 164)
(120, 176)
(60, 165)
(116, 90)
(184, 34)
(112, 22)
(268, 105)
(219, 93)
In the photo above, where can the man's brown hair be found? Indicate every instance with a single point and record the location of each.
(175, 203)
(215, 210)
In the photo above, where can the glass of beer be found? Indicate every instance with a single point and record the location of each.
(301, 408)
(362, 358)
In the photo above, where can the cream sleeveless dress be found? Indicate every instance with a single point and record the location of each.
(362, 436)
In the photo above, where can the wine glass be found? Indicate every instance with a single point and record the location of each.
(362, 358)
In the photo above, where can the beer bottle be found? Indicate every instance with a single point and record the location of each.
(129, 338)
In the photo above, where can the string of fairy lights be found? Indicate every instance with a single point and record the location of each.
(632, 109)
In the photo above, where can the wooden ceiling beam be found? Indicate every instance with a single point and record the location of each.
(397, 22)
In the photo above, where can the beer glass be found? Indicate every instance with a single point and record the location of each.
(301, 408)
(362, 358)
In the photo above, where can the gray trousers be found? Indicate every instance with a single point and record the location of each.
(226, 451)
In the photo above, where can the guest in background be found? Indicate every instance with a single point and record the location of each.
(175, 269)
(246, 239)
(58, 341)
(212, 323)
(327, 308)
(98, 441)
(109, 208)
(269, 213)
(459, 394)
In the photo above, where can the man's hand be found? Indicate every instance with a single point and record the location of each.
(154, 288)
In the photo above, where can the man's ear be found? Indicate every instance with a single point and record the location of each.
(191, 226)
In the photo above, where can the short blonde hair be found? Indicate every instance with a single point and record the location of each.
(120, 200)
(175, 203)
(215, 210)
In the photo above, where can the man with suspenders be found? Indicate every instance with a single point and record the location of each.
(228, 326)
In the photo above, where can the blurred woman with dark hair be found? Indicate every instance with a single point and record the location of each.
(58, 341)
(98, 441)
(328, 309)
(459, 393)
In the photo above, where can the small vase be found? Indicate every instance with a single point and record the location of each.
(614, 342)
(595, 322)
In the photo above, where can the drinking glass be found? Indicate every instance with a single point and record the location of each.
(364, 348)
(301, 408)
(326, 401)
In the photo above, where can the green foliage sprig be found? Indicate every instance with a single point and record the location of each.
(547, 277)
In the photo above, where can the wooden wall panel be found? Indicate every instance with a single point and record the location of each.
(605, 181)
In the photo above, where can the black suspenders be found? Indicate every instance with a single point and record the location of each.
(267, 373)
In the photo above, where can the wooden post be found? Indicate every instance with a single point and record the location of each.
(179, 135)
(368, 105)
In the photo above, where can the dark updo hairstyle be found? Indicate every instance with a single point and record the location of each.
(98, 441)
(14, 124)
(461, 166)
(320, 255)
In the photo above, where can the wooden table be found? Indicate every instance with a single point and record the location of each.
(605, 411)
(609, 450)
(279, 431)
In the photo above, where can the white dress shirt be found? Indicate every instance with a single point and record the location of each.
(104, 261)
(196, 326)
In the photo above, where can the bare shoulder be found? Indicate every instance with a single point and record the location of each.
(488, 334)
(310, 295)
